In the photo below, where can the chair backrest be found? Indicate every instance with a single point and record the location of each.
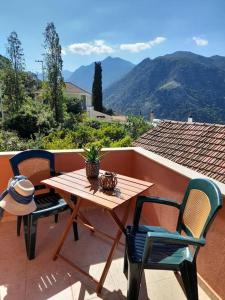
(201, 202)
(36, 165)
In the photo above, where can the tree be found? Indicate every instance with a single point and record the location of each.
(97, 88)
(32, 118)
(15, 52)
(136, 126)
(13, 85)
(54, 66)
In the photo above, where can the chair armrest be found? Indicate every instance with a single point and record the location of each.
(172, 238)
(168, 238)
(147, 199)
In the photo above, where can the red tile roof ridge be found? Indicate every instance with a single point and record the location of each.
(191, 123)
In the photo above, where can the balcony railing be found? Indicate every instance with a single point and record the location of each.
(170, 181)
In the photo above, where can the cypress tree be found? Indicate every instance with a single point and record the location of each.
(54, 66)
(97, 88)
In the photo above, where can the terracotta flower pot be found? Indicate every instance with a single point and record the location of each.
(92, 169)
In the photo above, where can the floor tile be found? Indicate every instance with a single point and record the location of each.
(43, 278)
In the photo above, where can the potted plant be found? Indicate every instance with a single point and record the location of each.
(92, 158)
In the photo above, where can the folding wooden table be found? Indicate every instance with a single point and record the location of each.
(76, 183)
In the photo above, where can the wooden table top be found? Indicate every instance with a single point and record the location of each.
(76, 183)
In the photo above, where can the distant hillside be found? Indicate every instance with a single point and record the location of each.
(4, 62)
(67, 74)
(173, 86)
(113, 69)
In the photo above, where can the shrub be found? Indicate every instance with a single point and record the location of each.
(32, 118)
(60, 139)
(136, 126)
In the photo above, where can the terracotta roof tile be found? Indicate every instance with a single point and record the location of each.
(198, 146)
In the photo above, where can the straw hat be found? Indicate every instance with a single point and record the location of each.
(18, 199)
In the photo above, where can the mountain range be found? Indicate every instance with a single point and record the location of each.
(66, 75)
(113, 69)
(173, 86)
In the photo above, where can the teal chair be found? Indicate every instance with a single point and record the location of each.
(150, 247)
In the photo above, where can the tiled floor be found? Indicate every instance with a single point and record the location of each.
(43, 278)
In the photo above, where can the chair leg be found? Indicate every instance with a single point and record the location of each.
(26, 227)
(32, 237)
(189, 277)
(134, 281)
(75, 231)
(19, 221)
(56, 218)
(125, 264)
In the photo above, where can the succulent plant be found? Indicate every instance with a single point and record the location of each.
(93, 154)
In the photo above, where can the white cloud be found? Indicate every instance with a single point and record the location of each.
(63, 51)
(199, 41)
(96, 47)
(137, 47)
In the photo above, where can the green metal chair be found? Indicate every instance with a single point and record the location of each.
(151, 247)
(38, 165)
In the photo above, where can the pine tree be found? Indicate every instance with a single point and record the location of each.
(13, 85)
(54, 66)
(97, 88)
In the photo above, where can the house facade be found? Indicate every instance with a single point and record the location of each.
(72, 90)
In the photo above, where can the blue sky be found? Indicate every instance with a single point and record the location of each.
(91, 30)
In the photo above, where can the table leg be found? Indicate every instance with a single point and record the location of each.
(67, 229)
(85, 221)
(116, 241)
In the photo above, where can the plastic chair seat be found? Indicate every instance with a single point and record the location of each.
(49, 201)
(163, 254)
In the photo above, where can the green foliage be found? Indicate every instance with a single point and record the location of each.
(61, 139)
(124, 142)
(136, 126)
(13, 88)
(15, 52)
(10, 141)
(4, 62)
(31, 84)
(32, 118)
(73, 112)
(54, 65)
(97, 88)
(93, 154)
(113, 131)
(87, 133)
(73, 105)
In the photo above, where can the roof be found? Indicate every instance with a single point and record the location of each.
(198, 146)
(74, 89)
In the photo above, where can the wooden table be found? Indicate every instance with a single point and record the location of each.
(77, 184)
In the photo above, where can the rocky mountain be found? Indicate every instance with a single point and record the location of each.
(113, 69)
(173, 86)
(66, 75)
